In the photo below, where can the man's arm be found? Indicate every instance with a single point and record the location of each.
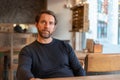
(74, 63)
(76, 66)
(24, 65)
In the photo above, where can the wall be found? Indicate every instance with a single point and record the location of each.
(20, 11)
(113, 22)
(92, 33)
(64, 23)
(64, 19)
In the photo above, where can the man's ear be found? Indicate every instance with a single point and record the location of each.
(36, 24)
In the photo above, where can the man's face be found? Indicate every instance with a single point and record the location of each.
(46, 26)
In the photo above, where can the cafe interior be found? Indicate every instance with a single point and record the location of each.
(91, 27)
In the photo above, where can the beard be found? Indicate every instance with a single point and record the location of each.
(45, 34)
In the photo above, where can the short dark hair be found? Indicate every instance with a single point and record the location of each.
(47, 12)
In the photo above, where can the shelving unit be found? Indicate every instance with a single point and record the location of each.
(10, 44)
(80, 24)
(18, 41)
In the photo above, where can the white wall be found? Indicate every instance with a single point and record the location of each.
(113, 22)
(64, 23)
(64, 19)
(92, 33)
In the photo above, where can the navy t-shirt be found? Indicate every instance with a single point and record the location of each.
(56, 59)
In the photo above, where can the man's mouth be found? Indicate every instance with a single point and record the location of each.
(45, 31)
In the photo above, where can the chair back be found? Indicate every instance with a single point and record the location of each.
(98, 62)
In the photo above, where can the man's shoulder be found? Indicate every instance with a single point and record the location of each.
(59, 40)
(62, 42)
(30, 45)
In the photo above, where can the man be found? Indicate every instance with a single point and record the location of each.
(47, 57)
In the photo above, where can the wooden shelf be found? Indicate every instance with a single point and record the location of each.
(10, 44)
(4, 50)
(80, 20)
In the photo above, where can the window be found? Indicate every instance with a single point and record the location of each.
(104, 16)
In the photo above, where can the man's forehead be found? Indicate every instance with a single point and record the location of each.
(47, 16)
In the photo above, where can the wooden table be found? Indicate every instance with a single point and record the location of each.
(97, 77)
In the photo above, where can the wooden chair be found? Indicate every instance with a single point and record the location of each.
(98, 63)
(81, 57)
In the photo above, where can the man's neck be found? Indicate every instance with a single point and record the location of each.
(44, 41)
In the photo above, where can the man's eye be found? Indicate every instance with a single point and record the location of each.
(42, 22)
(51, 23)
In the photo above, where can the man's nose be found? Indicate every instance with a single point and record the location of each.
(47, 25)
